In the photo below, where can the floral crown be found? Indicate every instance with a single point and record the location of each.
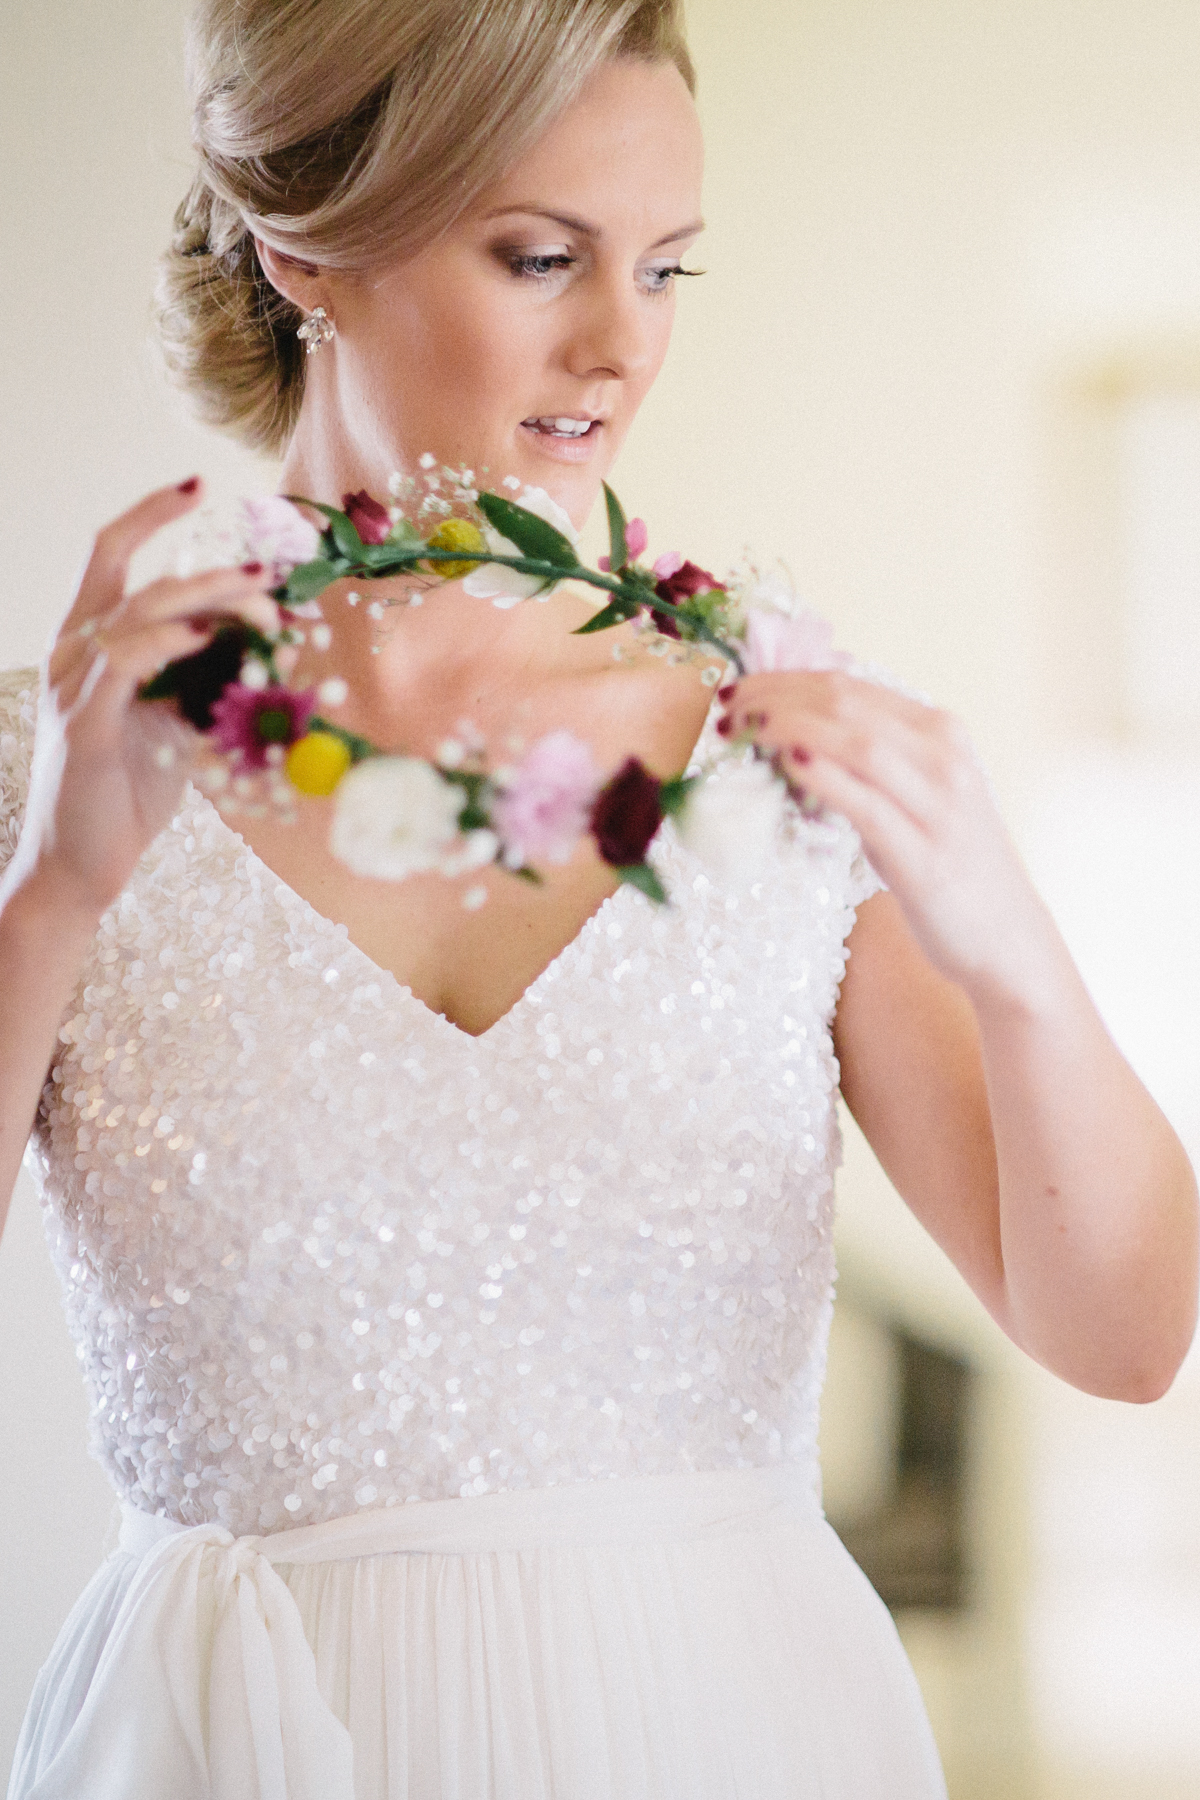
(397, 815)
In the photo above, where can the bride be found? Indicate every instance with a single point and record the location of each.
(452, 1284)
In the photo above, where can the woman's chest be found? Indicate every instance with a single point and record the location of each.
(237, 1068)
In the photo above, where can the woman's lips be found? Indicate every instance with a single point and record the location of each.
(564, 438)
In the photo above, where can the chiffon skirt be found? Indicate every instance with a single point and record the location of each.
(692, 1637)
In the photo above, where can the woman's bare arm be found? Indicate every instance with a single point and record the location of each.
(974, 1059)
(42, 946)
(1030, 1151)
(108, 773)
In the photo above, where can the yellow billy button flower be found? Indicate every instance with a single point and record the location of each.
(316, 763)
(456, 534)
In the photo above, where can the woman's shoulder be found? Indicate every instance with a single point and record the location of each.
(18, 716)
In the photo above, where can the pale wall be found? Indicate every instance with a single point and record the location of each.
(920, 214)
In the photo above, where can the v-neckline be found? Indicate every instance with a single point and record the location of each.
(386, 976)
(403, 991)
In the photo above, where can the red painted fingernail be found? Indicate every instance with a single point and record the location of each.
(800, 754)
(727, 693)
(252, 568)
(724, 727)
(189, 486)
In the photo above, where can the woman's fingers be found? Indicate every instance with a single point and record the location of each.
(916, 756)
(896, 843)
(116, 669)
(210, 595)
(135, 656)
(103, 583)
(207, 600)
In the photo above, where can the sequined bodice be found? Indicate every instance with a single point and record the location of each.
(321, 1250)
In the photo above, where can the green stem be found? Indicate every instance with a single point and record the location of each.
(636, 592)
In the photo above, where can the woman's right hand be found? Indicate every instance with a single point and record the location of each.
(109, 770)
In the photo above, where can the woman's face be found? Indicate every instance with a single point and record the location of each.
(524, 341)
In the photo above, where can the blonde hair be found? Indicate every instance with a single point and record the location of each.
(349, 133)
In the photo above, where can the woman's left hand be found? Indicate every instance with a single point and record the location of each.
(907, 777)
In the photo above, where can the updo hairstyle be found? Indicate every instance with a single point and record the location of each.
(349, 133)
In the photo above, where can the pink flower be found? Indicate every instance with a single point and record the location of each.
(368, 518)
(545, 808)
(278, 536)
(249, 720)
(636, 539)
(775, 643)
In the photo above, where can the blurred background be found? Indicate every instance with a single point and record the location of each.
(946, 364)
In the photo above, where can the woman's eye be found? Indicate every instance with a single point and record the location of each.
(538, 265)
(660, 278)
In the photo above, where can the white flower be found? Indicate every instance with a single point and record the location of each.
(730, 819)
(477, 849)
(278, 535)
(775, 592)
(394, 816)
(505, 587)
(537, 500)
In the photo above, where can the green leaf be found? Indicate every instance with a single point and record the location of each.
(532, 536)
(346, 538)
(615, 613)
(330, 512)
(309, 579)
(618, 554)
(642, 877)
(672, 795)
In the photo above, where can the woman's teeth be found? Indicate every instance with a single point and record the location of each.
(570, 428)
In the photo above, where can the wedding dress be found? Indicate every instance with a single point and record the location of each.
(460, 1394)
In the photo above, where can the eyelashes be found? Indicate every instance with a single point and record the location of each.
(540, 268)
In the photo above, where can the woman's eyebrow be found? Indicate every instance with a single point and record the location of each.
(584, 228)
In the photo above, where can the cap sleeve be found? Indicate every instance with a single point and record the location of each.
(863, 881)
(18, 715)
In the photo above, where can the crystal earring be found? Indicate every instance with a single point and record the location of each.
(316, 330)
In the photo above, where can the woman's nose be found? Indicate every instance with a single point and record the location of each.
(612, 335)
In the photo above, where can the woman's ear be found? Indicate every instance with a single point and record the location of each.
(300, 282)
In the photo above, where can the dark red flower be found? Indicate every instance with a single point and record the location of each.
(686, 580)
(368, 518)
(626, 815)
(678, 580)
(197, 682)
(663, 623)
(250, 720)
